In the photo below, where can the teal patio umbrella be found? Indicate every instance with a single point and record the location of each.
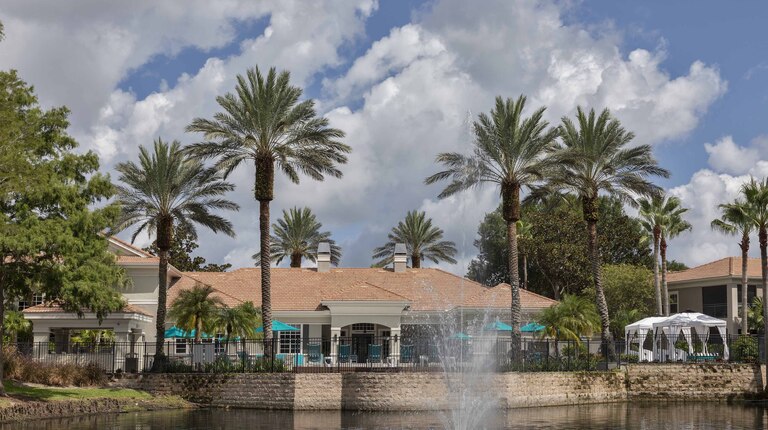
(278, 326)
(498, 326)
(532, 327)
(461, 336)
(175, 332)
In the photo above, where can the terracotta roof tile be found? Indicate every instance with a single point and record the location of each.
(723, 268)
(55, 308)
(305, 288)
(128, 259)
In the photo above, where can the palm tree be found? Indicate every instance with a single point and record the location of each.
(673, 226)
(196, 309)
(297, 235)
(509, 151)
(264, 123)
(595, 159)
(573, 317)
(756, 197)
(422, 240)
(13, 324)
(735, 221)
(164, 189)
(655, 213)
(238, 321)
(524, 234)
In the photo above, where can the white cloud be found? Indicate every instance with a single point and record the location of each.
(726, 156)
(411, 91)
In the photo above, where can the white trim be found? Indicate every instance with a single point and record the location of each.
(133, 251)
(142, 301)
(67, 315)
(365, 302)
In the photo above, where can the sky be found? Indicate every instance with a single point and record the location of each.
(403, 79)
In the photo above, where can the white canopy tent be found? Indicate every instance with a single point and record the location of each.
(683, 323)
(636, 333)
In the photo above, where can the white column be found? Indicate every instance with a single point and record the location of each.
(394, 345)
(335, 334)
(40, 341)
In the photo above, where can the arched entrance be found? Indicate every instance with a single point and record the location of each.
(367, 341)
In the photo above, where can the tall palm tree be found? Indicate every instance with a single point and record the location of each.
(422, 240)
(265, 123)
(296, 236)
(756, 197)
(656, 212)
(673, 226)
(196, 309)
(594, 159)
(735, 221)
(164, 189)
(508, 151)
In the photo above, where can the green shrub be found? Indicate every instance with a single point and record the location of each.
(574, 350)
(629, 358)
(745, 349)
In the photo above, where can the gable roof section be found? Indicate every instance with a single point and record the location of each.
(729, 267)
(128, 249)
(295, 289)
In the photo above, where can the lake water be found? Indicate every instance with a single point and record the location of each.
(606, 416)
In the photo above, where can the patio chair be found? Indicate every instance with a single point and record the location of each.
(345, 353)
(314, 353)
(374, 353)
(406, 353)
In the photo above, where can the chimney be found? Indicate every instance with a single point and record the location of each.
(401, 257)
(324, 257)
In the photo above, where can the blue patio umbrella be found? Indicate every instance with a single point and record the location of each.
(498, 326)
(532, 327)
(278, 326)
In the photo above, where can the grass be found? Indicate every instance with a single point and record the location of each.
(24, 392)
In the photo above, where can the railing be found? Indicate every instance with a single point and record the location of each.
(398, 354)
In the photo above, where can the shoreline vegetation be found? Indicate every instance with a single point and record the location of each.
(34, 401)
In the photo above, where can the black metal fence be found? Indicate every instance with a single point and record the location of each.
(398, 354)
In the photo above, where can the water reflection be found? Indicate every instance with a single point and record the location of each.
(608, 416)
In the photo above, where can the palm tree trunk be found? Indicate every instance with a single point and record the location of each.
(198, 330)
(164, 233)
(2, 329)
(664, 292)
(295, 260)
(266, 297)
(590, 209)
(656, 234)
(415, 261)
(510, 201)
(763, 237)
(744, 245)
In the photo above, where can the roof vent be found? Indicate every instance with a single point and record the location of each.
(324, 257)
(401, 257)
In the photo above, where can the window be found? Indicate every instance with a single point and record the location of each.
(181, 346)
(363, 327)
(290, 341)
(673, 300)
(37, 299)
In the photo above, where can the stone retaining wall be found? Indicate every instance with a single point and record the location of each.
(431, 391)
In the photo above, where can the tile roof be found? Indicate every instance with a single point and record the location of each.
(128, 259)
(131, 246)
(723, 268)
(56, 308)
(305, 288)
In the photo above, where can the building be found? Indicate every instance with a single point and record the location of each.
(322, 303)
(714, 289)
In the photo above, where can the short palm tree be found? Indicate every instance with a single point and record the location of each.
(422, 240)
(756, 197)
(13, 324)
(296, 236)
(196, 309)
(264, 123)
(734, 220)
(509, 151)
(164, 189)
(572, 318)
(594, 159)
(673, 226)
(655, 212)
(238, 321)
